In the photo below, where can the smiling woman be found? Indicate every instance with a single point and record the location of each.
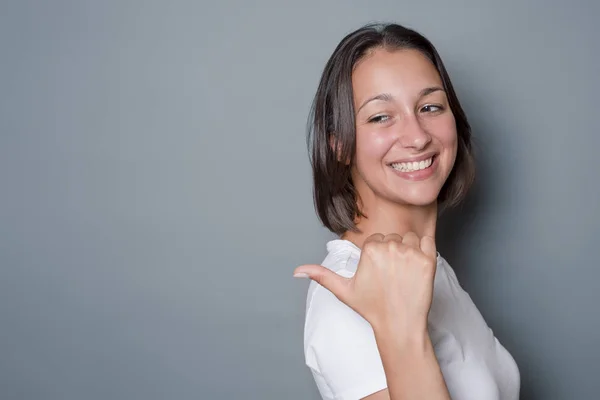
(390, 146)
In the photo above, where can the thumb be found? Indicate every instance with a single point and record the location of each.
(331, 281)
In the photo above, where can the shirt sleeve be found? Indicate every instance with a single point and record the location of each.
(340, 349)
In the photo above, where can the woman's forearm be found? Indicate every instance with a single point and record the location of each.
(410, 366)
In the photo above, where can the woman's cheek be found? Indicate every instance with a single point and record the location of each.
(375, 143)
(447, 130)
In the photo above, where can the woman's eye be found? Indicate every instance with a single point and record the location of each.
(379, 119)
(431, 108)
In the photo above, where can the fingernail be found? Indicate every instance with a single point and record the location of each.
(300, 275)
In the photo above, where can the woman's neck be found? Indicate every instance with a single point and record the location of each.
(392, 218)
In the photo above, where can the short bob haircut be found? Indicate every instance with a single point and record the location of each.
(332, 120)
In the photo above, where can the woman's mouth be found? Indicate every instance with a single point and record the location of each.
(413, 166)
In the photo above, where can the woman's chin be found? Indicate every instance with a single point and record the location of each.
(419, 199)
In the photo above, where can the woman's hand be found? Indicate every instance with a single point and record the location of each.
(393, 284)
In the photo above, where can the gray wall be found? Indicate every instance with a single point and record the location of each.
(155, 190)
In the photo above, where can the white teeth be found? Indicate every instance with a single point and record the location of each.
(413, 166)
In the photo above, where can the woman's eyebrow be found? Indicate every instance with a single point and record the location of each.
(389, 98)
(428, 90)
(382, 96)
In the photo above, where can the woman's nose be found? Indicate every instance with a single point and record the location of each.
(413, 134)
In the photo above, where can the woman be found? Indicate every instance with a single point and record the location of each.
(390, 146)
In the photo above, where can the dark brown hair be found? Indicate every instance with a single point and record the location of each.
(332, 117)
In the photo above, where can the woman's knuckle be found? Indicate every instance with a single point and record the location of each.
(370, 249)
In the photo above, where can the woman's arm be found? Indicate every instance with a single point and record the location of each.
(411, 368)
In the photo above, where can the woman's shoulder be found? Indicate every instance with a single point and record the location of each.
(324, 311)
(332, 329)
(342, 258)
(341, 250)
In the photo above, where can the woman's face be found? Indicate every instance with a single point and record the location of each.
(406, 139)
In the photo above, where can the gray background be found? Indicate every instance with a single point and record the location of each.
(155, 190)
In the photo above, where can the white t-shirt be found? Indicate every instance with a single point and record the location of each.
(340, 347)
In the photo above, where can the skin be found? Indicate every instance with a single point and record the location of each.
(402, 112)
(406, 126)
